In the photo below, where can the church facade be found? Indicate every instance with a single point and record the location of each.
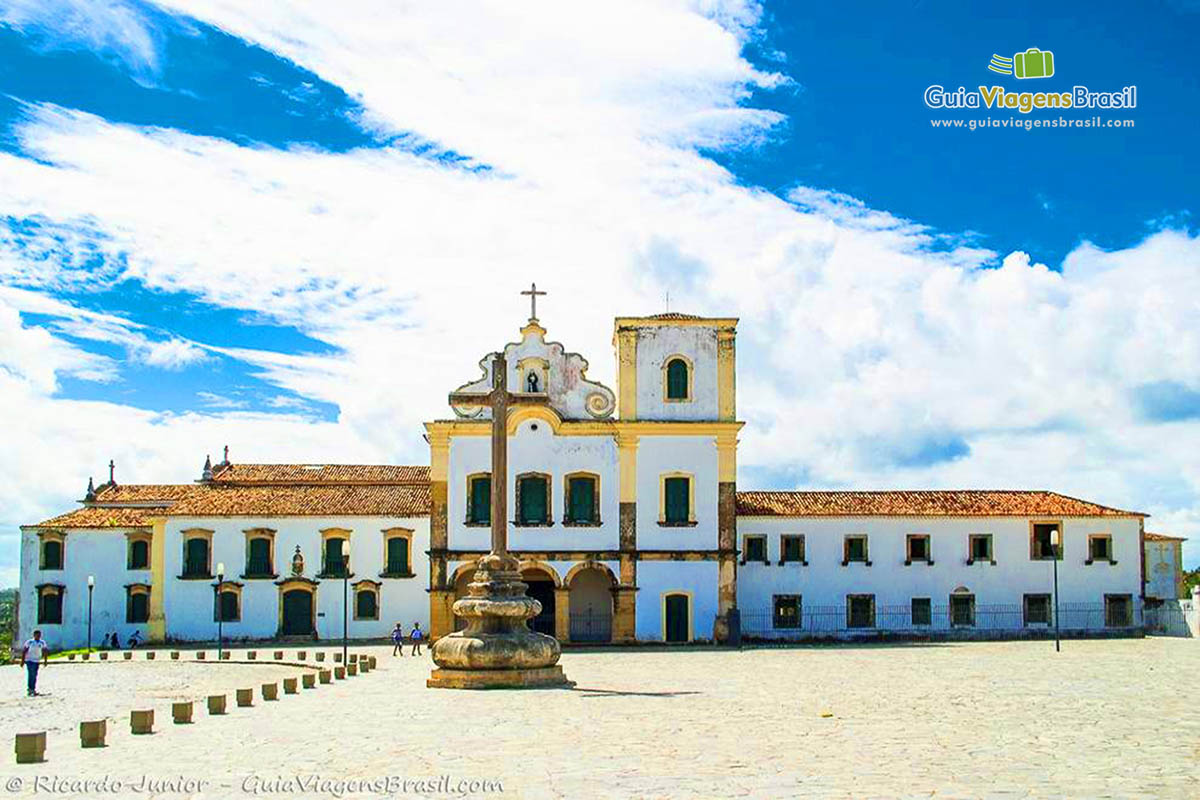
(624, 511)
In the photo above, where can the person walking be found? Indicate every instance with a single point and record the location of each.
(398, 640)
(33, 654)
(417, 635)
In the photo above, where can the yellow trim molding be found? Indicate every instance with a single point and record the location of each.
(139, 536)
(566, 484)
(188, 535)
(691, 372)
(228, 587)
(397, 533)
(371, 587)
(662, 495)
(156, 629)
(691, 606)
(726, 375)
(626, 344)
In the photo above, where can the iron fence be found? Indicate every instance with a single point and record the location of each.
(963, 618)
(591, 626)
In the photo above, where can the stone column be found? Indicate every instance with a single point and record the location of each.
(626, 341)
(156, 626)
(624, 625)
(562, 614)
(441, 595)
(726, 532)
(625, 597)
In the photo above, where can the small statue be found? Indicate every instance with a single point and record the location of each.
(297, 562)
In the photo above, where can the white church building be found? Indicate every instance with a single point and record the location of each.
(624, 511)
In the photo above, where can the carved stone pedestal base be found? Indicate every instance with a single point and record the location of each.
(543, 678)
(497, 650)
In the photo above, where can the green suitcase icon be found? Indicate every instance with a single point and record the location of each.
(1034, 63)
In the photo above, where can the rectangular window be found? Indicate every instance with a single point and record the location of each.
(479, 500)
(678, 501)
(52, 554)
(137, 607)
(195, 558)
(258, 557)
(1100, 548)
(962, 610)
(138, 556)
(787, 611)
(855, 549)
(860, 611)
(581, 501)
(227, 606)
(533, 500)
(366, 604)
(980, 546)
(755, 549)
(918, 548)
(335, 560)
(397, 556)
(922, 611)
(50, 607)
(1037, 609)
(1118, 610)
(792, 549)
(1041, 540)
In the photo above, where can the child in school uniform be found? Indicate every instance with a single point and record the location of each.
(416, 636)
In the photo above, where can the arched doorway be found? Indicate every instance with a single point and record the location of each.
(296, 611)
(677, 617)
(541, 588)
(591, 603)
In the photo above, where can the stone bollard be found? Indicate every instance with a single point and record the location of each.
(225, 654)
(181, 712)
(216, 704)
(150, 655)
(104, 656)
(91, 734)
(364, 666)
(289, 685)
(325, 675)
(30, 747)
(87, 656)
(174, 655)
(70, 657)
(199, 655)
(279, 655)
(374, 662)
(354, 658)
(141, 721)
(337, 657)
(245, 697)
(270, 691)
(351, 670)
(251, 655)
(320, 656)
(128, 656)
(301, 655)
(339, 673)
(309, 680)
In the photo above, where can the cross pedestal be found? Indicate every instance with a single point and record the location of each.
(497, 650)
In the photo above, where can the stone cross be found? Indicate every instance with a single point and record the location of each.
(499, 400)
(533, 295)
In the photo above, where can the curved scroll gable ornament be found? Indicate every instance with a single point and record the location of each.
(564, 381)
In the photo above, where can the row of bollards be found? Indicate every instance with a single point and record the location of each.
(201, 655)
(31, 747)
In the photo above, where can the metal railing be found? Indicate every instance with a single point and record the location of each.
(591, 626)
(943, 619)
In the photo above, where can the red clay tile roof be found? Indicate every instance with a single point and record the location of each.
(142, 492)
(333, 500)
(673, 315)
(100, 517)
(1162, 537)
(937, 503)
(299, 474)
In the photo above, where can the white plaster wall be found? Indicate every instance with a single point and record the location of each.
(654, 347)
(1161, 570)
(539, 450)
(656, 578)
(189, 603)
(825, 582)
(98, 552)
(660, 454)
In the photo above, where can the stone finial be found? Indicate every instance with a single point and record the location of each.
(207, 474)
(298, 562)
(226, 461)
(112, 470)
(90, 497)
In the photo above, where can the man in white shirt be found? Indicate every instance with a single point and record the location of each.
(33, 654)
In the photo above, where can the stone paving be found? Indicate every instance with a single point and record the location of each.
(1101, 719)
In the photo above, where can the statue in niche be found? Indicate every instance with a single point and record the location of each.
(297, 563)
(532, 383)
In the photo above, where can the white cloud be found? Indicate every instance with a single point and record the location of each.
(109, 27)
(869, 344)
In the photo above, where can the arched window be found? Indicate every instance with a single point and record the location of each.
(137, 604)
(335, 550)
(479, 499)
(137, 555)
(50, 605)
(678, 379)
(366, 601)
(52, 554)
(533, 499)
(228, 605)
(195, 557)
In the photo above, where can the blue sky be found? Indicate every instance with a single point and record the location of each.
(283, 230)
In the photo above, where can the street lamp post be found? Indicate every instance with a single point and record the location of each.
(220, 608)
(1055, 549)
(91, 588)
(345, 604)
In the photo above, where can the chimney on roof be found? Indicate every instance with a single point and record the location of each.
(91, 491)
(207, 474)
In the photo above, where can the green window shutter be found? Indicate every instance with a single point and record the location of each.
(365, 606)
(139, 554)
(677, 500)
(583, 499)
(481, 501)
(333, 557)
(677, 379)
(196, 562)
(397, 555)
(533, 501)
(260, 557)
(228, 606)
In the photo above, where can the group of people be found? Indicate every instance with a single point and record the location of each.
(416, 635)
(112, 642)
